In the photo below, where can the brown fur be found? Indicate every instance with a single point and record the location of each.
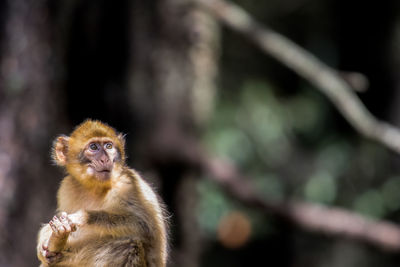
(123, 223)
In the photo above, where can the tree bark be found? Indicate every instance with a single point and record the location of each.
(27, 115)
(172, 87)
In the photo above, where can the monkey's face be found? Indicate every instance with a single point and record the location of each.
(93, 153)
(99, 156)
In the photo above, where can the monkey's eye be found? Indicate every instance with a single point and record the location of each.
(108, 146)
(93, 147)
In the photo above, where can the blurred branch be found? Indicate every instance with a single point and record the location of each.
(358, 81)
(313, 217)
(324, 78)
(336, 86)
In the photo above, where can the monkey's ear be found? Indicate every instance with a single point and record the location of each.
(121, 138)
(121, 146)
(60, 150)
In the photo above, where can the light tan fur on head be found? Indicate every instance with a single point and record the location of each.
(65, 147)
(67, 150)
(94, 128)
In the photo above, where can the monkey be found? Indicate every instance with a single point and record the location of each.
(107, 214)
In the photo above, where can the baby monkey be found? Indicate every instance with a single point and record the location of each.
(107, 214)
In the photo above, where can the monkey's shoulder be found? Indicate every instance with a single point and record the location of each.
(143, 190)
(130, 173)
(131, 176)
(149, 193)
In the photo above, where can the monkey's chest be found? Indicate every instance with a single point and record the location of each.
(73, 204)
(72, 198)
(83, 237)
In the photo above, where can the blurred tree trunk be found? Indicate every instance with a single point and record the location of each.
(28, 112)
(172, 70)
(174, 54)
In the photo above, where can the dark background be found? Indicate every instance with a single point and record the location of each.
(174, 80)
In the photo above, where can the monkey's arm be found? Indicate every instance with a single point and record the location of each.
(43, 238)
(115, 223)
(53, 238)
(46, 255)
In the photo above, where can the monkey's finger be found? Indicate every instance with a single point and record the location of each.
(53, 227)
(50, 254)
(65, 222)
(56, 221)
(44, 253)
(75, 219)
(59, 225)
(72, 225)
(54, 258)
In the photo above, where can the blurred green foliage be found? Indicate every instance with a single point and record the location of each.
(212, 206)
(290, 148)
(321, 187)
(291, 142)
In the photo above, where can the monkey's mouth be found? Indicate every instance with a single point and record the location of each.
(97, 167)
(101, 172)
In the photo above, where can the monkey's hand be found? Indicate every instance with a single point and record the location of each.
(62, 226)
(49, 257)
(51, 248)
(78, 218)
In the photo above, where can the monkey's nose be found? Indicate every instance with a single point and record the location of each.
(104, 160)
